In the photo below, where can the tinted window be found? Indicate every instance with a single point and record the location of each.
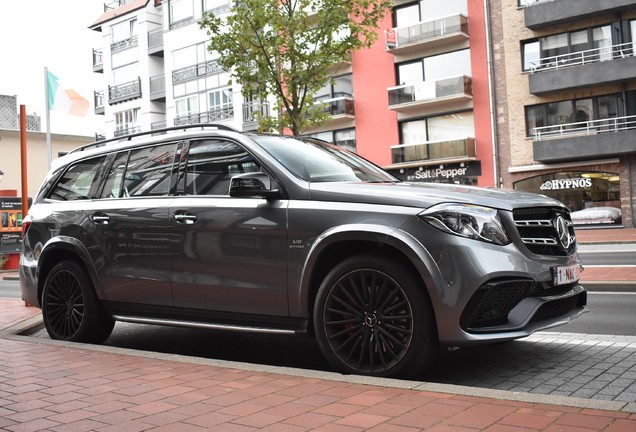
(148, 171)
(211, 165)
(78, 180)
(112, 185)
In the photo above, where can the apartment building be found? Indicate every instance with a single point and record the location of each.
(565, 91)
(417, 102)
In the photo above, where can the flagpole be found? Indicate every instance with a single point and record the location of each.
(48, 117)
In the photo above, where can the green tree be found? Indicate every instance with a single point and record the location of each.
(289, 49)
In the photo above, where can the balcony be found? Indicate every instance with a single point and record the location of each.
(214, 115)
(252, 112)
(98, 100)
(196, 71)
(430, 34)
(98, 61)
(158, 88)
(124, 44)
(596, 67)
(155, 43)
(220, 10)
(120, 132)
(115, 4)
(592, 139)
(124, 92)
(448, 150)
(430, 93)
(543, 15)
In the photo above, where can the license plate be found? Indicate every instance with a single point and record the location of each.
(563, 275)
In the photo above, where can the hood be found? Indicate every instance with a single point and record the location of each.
(424, 195)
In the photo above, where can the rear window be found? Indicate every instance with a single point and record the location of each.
(79, 181)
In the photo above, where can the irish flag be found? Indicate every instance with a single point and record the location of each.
(64, 100)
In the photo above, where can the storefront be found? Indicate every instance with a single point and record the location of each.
(593, 197)
(465, 173)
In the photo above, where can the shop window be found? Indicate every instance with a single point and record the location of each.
(593, 197)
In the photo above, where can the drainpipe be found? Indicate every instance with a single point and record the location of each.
(492, 97)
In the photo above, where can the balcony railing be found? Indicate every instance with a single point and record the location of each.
(155, 41)
(526, 3)
(433, 150)
(158, 88)
(115, 4)
(591, 127)
(428, 91)
(98, 99)
(98, 60)
(123, 44)
(220, 10)
(124, 92)
(127, 131)
(337, 106)
(181, 23)
(252, 111)
(206, 117)
(583, 57)
(196, 71)
(401, 37)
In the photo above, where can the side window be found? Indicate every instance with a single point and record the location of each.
(148, 171)
(78, 180)
(212, 163)
(112, 185)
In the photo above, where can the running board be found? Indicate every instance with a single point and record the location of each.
(209, 326)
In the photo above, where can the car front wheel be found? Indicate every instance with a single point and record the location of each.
(70, 307)
(373, 317)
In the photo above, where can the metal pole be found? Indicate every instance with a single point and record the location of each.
(23, 160)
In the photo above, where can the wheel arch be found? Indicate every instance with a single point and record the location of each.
(342, 242)
(60, 249)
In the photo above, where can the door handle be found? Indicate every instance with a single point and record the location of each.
(185, 218)
(100, 219)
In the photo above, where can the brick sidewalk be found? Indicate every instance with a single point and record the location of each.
(59, 387)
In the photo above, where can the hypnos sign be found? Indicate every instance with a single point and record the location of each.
(446, 173)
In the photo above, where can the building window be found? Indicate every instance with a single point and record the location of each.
(566, 114)
(217, 7)
(181, 13)
(432, 68)
(338, 87)
(427, 10)
(593, 197)
(438, 128)
(126, 122)
(547, 51)
(123, 31)
(345, 138)
(125, 74)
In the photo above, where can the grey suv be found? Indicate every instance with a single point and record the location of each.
(203, 226)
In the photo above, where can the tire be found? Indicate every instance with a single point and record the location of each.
(373, 317)
(70, 307)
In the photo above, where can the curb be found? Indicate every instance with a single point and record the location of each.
(21, 330)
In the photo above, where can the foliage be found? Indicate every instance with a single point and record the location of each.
(282, 48)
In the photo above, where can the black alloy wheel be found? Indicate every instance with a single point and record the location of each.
(70, 307)
(371, 319)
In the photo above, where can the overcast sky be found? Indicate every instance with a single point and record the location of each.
(55, 34)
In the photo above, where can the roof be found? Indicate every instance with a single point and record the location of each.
(119, 11)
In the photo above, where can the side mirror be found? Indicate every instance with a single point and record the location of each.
(255, 184)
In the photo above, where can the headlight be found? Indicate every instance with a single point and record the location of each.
(466, 220)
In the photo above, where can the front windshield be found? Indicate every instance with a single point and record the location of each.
(318, 161)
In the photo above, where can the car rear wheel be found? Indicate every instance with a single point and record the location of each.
(70, 307)
(372, 317)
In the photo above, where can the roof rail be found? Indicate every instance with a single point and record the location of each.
(101, 143)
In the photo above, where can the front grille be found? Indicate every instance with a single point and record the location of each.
(538, 230)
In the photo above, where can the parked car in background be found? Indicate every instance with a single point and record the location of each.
(597, 215)
(203, 226)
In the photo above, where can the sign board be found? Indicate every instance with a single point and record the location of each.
(450, 173)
